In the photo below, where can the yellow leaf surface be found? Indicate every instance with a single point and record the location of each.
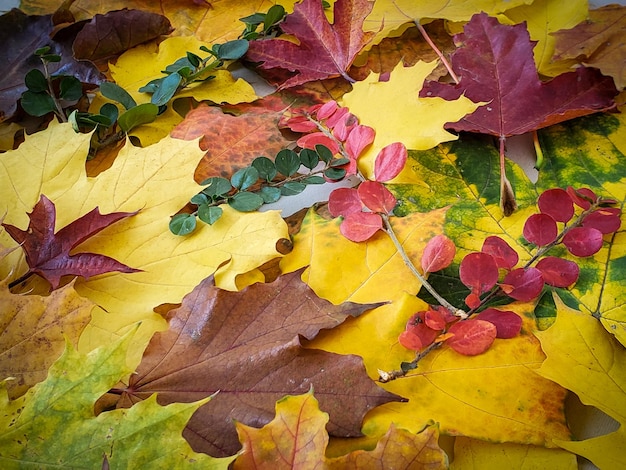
(34, 331)
(397, 113)
(157, 181)
(544, 17)
(583, 357)
(471, 454)
(392, 14)
(477, 396)
(344, 271)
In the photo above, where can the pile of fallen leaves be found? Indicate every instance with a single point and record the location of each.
(258, 340)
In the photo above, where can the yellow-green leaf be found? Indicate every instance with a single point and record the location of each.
(53, 425)
(583, 357)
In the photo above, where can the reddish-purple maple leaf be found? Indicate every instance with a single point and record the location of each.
(48, 253)
(325, 50)
(496, 65)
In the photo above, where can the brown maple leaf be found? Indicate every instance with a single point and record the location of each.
(48, 253)
(325, 50)
(246, 345)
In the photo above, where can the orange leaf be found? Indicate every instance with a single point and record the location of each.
(472, 337)
(438, 254)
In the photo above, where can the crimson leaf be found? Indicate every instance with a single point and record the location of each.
(508, 324)
(583, 241)
(504, 256)
(438, 254)
(540, 229)
(558, 272)
(524, 283)
(376, 197)
(479, 272)
(557, 204)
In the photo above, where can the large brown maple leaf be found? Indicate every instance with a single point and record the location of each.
(48, 253)
(325, 50)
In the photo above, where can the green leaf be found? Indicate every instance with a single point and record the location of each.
(193, 59)
(110, 111)
(246, 202)
(182, 224)
(273, 16)
(244, 178)
(209, 214)
(292, 188)
(324, 152)
(37, 104)
(265, 167)
(335, 173)
(309, 158)
(216, 186)
(142, 114)
(53, 424)
(36, 81)
(151, 86)
(339, 162)
(287, 162)
(255, 19)
(71, 89)
(199, 199)
(232, 50)
(315, 179)
(42, 51)
(166, 89)
(270, 194)
(115, 92)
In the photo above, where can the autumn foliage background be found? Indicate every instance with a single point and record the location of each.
(258, 341)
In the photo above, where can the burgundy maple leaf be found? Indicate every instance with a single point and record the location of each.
(325, 50)
(48, 253)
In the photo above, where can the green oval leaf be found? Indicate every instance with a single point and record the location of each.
(339, 162)
(216, 186)
(182, 224)
(37, 104)
(292, 188)
(199, 199)
(324, 152)
(315, 179)
(270, 194)
(209, 214)
(110, 111)
(142, 114)
(71, 89)
(166, 89)
(36, 81)
(232, 50)
(335, 173)
(115, 92)
(309, 158)
(273, 16)
(265, 167)
(246, 202)
(244, 178)
(287, 162)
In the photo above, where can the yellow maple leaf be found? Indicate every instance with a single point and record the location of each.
(396, 111)
(157, 181)
(340, 270)
(583, 357)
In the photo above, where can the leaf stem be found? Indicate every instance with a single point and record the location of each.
(437, 51)
(59, 110)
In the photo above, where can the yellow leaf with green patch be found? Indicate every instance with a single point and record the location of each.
(394, 109)
(53, 424)
(156, 181)
(471, 454)
(478, 396)
(583, 357)
(340, 270)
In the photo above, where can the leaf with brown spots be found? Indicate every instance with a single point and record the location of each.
(230, 142)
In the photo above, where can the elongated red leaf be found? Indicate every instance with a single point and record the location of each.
(324, 50)
(438, 254)
(361, 226)
(583, 241)
(48, 253)
(558, 272)
(479, 272)
(557, 204)
(508, 324)
(435, 319)
(540, 229)
(344, 201)
(604, 219)
(472, 337)
(504, 256)
(358, 139)
(582, 197)
(309, 141)
(376, 197)
(525, 283)
(390, 161)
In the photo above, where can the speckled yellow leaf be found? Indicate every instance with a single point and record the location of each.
(583, 357)
(397, 113)
(340, 270)
(480, 396)
(471, 454)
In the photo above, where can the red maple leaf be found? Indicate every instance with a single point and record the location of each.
(325, 50)
(48, 253)
(496, 65)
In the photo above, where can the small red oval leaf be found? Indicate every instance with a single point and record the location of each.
(309, 141)
(410, 340)
(557, 204)
(504, 256)
(344, 201)
(472, 337)
(438, 254)
(435, 319)
(526, 284)
(360, 226)
(540, 229)
(558, 272)
(605, 219)
(508, 324)
(390, 161)
(583, 241)
(582, 197)
(327, 109)
(479, 272)
(359, 138)
(376, 197)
